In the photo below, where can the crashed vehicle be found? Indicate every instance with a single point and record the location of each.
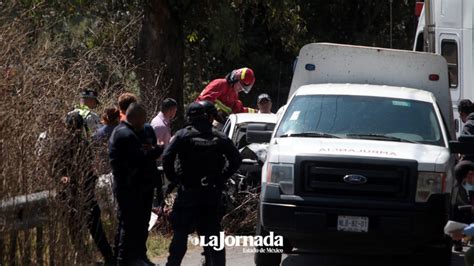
(236, 126)
(253, 147)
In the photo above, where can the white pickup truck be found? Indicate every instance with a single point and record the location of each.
(360, 161)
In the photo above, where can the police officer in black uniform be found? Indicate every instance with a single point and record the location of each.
(201, 175)
(130, 159)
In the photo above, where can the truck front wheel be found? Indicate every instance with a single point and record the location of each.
(265, 258)
(436, 256)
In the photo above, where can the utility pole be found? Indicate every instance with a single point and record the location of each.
(429, 30)
(391, 26)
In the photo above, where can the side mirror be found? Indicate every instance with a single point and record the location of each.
(464, 145)
(259, 132)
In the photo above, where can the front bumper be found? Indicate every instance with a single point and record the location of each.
(391, 230)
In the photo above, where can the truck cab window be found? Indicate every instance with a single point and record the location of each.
(346, 116)
(449, 50)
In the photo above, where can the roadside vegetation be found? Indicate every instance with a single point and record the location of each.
(51, 50)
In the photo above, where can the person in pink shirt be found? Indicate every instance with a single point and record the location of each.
(162, 122)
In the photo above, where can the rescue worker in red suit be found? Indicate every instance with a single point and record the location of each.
(224, 92)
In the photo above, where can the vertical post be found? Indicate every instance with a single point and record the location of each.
(429, 30)
(13, 244)
(2, 250)
(51, 240)
(26, 252)
(39, 245)
(391, 25)
(279, 85)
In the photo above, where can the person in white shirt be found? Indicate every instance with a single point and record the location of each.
(162, 122)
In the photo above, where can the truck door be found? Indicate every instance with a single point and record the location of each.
(450, 50)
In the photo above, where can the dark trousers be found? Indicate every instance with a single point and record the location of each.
(98, 234)
(94, 224)
(469, 257)
(134, 209)
(158, 196)
(185, 220)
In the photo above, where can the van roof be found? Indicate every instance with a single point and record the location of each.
(322, 63)
(367, 90)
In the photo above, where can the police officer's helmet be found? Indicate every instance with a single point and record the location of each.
(201, 109)
(195, 111)
(209, 108)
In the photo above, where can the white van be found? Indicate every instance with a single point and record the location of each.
(359, 161)
(453, 22)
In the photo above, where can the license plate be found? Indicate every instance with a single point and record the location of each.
(352, 223)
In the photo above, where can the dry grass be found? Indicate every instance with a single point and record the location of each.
(242, 218)
(38, 86)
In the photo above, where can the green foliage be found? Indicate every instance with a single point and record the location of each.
(225, 31)
(365, 22)
(222, 35)
(267, 35)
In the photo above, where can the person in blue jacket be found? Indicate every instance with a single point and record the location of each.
(130, 159)
(458, 235)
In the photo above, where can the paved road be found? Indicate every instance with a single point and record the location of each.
(235, 257)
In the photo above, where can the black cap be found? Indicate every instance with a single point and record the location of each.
(195, 109)
(209, 108)
(263, 96)
(88, 93)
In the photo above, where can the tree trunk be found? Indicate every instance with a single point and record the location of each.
(160, 55)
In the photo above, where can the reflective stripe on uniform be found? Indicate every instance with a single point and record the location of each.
(222, 107)
(83, 111)
(242, 74)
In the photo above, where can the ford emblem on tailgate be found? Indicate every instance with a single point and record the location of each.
(355, 179)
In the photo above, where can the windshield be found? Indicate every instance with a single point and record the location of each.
(362, 117)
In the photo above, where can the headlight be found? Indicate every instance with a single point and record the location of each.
(429, 183)
(281, 174)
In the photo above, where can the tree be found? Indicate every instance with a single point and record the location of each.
(365, 22)
(215, 37)
(160, 51)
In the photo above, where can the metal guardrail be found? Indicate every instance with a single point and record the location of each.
(23, 213)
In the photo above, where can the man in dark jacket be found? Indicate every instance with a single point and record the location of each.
(129, 159)
(72, 168)
(202, 153)
(151, 179)
(466, 113)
